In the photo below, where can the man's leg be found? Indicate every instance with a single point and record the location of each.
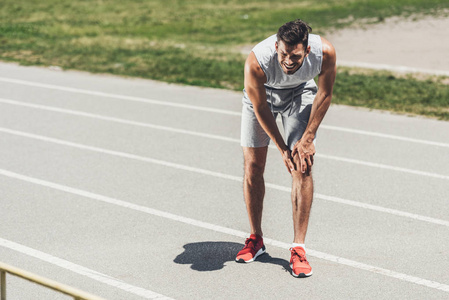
(253, 192)
(254, 185)
(295, 123)
(302, 195)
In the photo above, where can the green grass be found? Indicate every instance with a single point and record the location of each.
(384, 90)
(192, 42)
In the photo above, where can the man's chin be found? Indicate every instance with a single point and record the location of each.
(289, 71)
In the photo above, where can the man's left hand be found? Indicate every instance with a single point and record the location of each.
(306, 151)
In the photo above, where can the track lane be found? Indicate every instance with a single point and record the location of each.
(79, 168)
(134, 180)
(141, 142)
(103, 220)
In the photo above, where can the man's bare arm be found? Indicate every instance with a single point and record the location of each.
(326, 79)
(254, 86)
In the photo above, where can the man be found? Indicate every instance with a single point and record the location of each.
(279, 76)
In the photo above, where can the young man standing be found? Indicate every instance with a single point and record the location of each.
(279, 76)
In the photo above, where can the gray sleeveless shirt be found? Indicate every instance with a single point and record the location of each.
(266, 55)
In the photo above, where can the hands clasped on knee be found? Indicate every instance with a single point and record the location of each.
(301, 158)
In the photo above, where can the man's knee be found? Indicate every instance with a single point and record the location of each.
(255, 159)
(297, 174)
(254, 169)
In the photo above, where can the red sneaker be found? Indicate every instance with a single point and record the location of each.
(253, 248)
(299, 264)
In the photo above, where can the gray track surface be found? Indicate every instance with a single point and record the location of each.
(186, 259)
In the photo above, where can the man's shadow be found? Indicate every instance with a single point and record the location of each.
(212, 256)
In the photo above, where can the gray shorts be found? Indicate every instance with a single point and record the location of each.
(294, 106)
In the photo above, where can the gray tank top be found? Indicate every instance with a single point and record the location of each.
(266, 55)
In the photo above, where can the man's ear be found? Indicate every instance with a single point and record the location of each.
(276, 45)
(308, 50)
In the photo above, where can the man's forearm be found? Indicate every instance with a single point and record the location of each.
(319, 108)
(268, 123)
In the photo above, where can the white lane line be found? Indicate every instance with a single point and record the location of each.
(394, 68)
(222, 175)
(382, 209)
(121, 97)
(382, 166)
(229, 231)
(211, 136)
(383, 135)
(112, 119)
(208, 109)
(62, 263)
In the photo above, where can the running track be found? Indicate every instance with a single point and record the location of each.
(131, 189)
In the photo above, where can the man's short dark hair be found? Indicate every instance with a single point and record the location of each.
(294, 33)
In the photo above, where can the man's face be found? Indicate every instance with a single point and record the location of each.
(291, 57)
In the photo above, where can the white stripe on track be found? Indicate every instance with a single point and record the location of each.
(147, 294)
(394, 68)
(211, 136)
(386, 136)
(382, 209)
(382, 166)
(221, 175)
(208, 109)
(121, 97)
(116, 120)
(233, 232)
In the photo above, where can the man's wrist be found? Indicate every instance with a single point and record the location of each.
(308, 137)
(283, 148)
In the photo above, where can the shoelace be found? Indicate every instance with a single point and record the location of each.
(297, 256)
(250, 243)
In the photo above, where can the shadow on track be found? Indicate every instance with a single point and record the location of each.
(212, 256)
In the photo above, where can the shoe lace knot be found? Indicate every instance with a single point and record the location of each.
(250, 243)
(298, 256)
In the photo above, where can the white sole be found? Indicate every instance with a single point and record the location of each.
(300, 275)
(260, 252)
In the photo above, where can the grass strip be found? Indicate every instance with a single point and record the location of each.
(199, 42)
(387, 91)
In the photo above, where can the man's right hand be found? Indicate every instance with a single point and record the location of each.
(288, 160)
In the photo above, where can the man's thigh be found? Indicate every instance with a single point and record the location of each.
(296, 119)
(252, 134)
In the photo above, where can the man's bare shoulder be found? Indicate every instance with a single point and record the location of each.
(253, 69)
(329, 53)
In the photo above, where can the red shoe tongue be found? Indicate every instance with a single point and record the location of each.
(300, 251)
